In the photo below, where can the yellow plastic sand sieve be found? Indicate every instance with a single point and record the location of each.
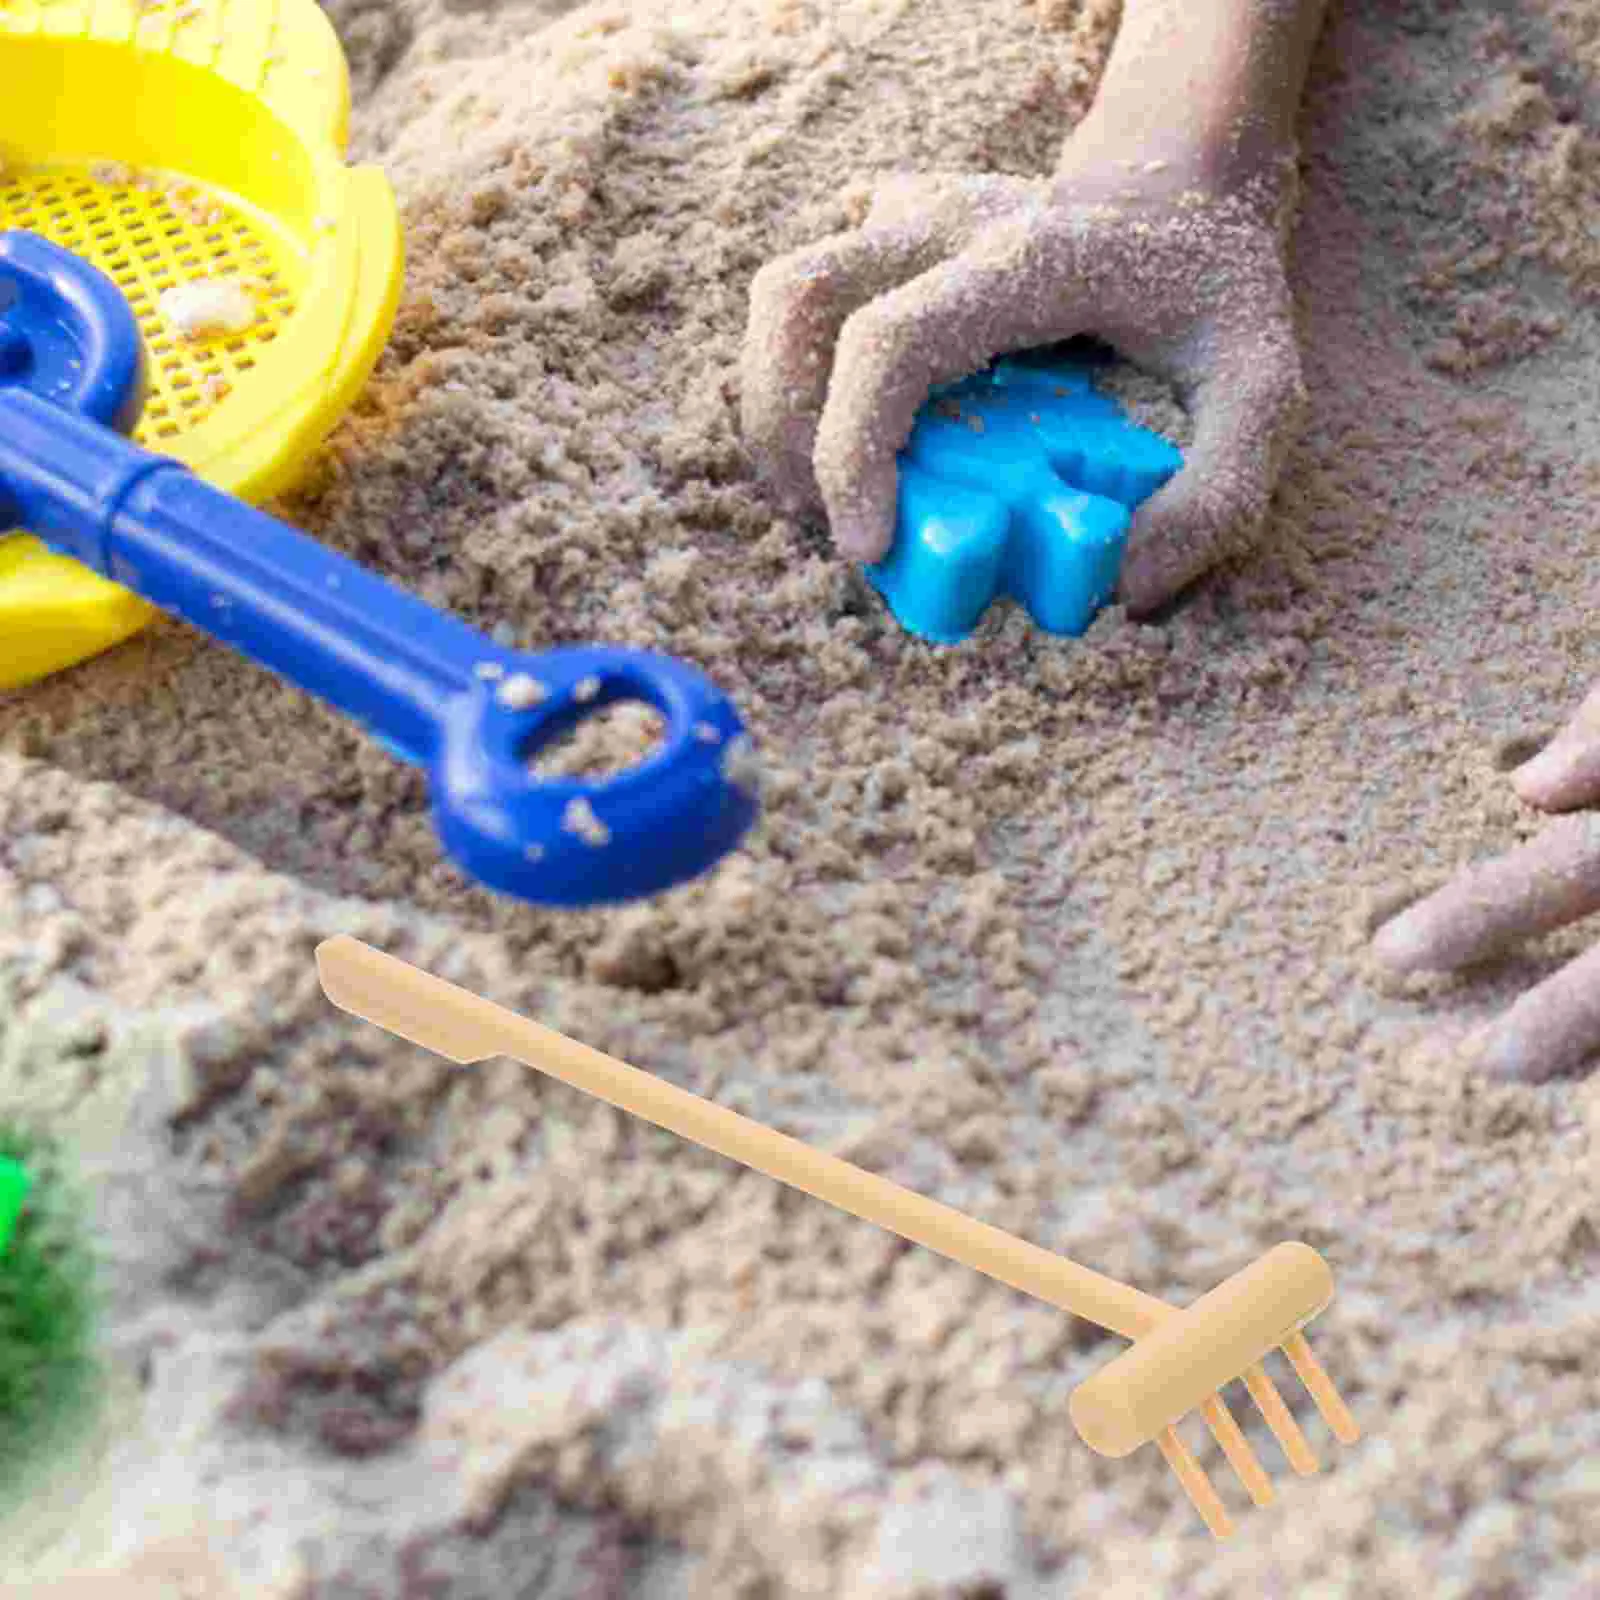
(174, 142)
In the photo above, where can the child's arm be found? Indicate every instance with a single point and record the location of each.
(1162, 231)
(1211, 87)
(1545, 885)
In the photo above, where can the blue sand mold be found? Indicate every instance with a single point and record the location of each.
(1033, 503)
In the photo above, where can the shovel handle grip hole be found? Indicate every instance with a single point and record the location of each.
(601, 737)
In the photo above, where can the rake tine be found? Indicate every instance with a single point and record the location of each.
(1195, 1483)
(1237, 1449)
(1319, 1386)
(1284, 1428)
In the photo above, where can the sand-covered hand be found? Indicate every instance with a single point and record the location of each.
(1549, 883)
(847, 336)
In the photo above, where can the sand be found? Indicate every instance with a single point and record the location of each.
(1069, 934)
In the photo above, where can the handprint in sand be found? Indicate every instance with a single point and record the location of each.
(1547, 884)
(1163, 232)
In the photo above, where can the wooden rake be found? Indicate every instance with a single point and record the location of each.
(1179, 1359)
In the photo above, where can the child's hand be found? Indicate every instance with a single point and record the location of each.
(1547, 884)
(847, 336)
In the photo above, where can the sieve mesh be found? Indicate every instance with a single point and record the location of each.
(150, 233)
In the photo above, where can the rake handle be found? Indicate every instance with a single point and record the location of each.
(467, 1028)
(951, 1233)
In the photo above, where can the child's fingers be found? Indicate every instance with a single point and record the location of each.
(1566, 773)
(1543, 886)
(1007, 295)
(1247, 407)
(1552, 1029)
(797, 306)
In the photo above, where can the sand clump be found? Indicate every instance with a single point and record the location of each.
(1149, 400)
(1065, 933)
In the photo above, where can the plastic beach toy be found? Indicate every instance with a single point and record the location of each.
(1020, 481)
(73, 377)
(189, 148)
(170, 144)
(14, 1185)
(1179, 1361)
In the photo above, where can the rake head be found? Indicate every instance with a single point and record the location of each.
(1180, 1366)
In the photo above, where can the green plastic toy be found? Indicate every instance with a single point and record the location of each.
(49, 1365)
(14, 1185)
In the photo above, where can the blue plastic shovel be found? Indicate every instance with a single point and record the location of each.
(473, 715)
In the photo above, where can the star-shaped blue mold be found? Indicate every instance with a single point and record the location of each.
(1020, 481)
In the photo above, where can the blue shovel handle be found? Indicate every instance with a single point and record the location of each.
(474, 715)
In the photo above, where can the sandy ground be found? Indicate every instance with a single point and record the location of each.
(1068, 934)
